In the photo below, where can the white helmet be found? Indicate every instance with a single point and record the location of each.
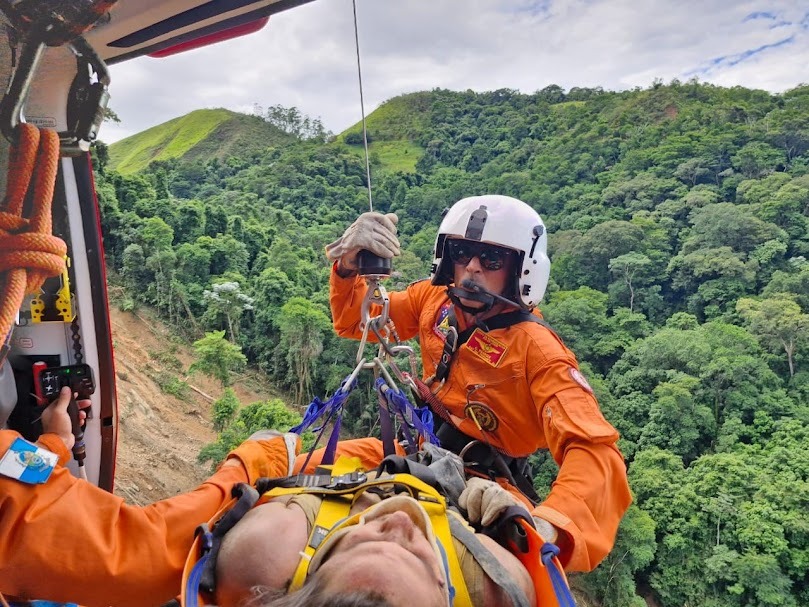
(504, 221)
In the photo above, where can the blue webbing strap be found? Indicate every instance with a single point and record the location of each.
(419, 419)
(319, 409)
(192, 585)
(560, 587)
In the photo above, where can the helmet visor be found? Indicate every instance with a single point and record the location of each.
(491, 256)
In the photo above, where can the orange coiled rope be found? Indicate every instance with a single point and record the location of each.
(29, 253)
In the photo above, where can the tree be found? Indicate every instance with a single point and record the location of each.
(613, 582)
(224, 408)
(692, 170)
(778, 322)
(627, 266)
(757, 159)
(217, 357)
(156, 235)
(263, 415)
(711, 279)
(303, 325)
(601, 243)
(291, 121)
(134, 270)
(729, 225)
(227, 299)
(794, 281)
(678, 421)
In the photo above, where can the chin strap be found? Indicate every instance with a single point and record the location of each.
(482, 296)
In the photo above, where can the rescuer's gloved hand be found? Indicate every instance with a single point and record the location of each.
(267, 453)
(374, 232)
(546, 530)
(484, 501)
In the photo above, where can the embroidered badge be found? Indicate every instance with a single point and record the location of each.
(577, 377)
(486, 347)
(482, 415)
(28, 463)
(441, 326)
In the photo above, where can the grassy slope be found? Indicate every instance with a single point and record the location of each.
(393, 126)
(201, 134)
(204, 134)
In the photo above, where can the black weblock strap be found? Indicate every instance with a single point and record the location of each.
(396, 464)
(246, 499)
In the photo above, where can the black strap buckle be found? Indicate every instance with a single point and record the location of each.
(323, 481)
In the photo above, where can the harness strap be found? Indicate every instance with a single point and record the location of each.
(394, 402)
(488, 460)
(451, 343)
(488, 563)
(246, 498)
(331, 510)
(456, 339)
(385, 424)
(396, 464)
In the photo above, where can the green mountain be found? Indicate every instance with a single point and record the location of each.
(393, 131)
(200, 135)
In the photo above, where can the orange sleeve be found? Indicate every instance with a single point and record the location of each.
(52, 443)
(345, 300)
(67, 540)
(591, 493)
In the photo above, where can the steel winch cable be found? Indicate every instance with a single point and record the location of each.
(362, 107)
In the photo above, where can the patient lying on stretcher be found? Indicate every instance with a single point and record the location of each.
(398, 547)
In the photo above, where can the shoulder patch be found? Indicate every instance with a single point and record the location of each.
(579, 378)
(441, 327)
(27, 462)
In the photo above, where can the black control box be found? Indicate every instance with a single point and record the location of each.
(50, 380)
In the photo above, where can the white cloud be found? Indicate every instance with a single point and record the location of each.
(306, 57)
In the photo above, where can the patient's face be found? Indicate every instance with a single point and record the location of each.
(391, 556)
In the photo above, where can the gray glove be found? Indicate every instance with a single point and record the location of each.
(372, 231)
(484, 501)
(546, 530)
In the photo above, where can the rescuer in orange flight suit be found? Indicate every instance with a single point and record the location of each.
(67, 540)
(516, 388)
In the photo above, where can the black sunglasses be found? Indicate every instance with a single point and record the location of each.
(491, 257)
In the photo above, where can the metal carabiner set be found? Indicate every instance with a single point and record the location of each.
(415, 423)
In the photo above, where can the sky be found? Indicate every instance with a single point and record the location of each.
(306, 57)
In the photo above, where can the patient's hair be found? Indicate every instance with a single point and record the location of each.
(315, 594)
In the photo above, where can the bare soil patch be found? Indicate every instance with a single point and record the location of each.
(160, 433)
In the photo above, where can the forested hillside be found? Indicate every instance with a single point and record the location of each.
(678, 219)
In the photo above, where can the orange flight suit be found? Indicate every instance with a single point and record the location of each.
(67, 540)
(526, 392)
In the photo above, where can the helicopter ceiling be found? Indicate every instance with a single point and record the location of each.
(163, 27)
